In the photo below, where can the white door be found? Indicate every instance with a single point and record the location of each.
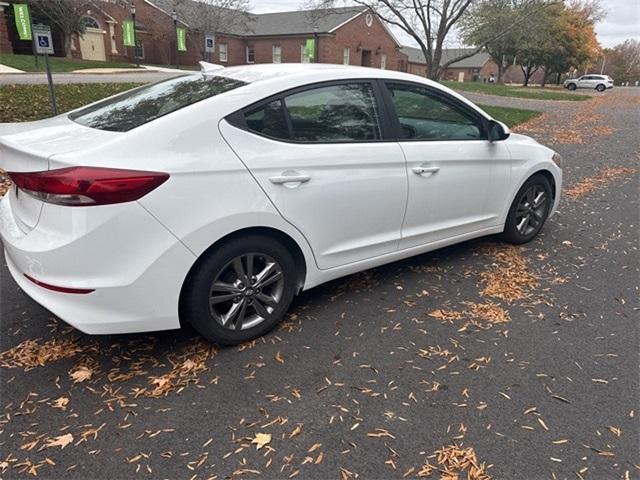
(320, 156)
(587, 81)
(457, 178)
(92, 45)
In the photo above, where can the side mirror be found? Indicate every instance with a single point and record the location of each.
(498, 131)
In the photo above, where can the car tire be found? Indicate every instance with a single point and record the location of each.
(572, 86)
(528, 211)
(601, 88)
(225, 308)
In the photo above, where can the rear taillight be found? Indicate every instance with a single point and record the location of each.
(88, 186)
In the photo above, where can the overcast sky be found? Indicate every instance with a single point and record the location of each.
(622, 22)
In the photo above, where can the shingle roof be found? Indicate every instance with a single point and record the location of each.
(475, 61)
(300, 22)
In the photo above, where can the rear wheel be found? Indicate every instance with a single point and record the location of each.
(528, 211)
(572, 86)
(601, 88)
(240, 291)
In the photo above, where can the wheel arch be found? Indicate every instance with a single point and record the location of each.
(538, 170)
(284, 238)
(549, 176)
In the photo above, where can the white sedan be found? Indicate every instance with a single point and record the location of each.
(213, 198)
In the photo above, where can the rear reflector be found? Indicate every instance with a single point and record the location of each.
(88, 186)
(81, 291)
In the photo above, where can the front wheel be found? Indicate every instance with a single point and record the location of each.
(528, 211)
(240, 290)
(572, 86)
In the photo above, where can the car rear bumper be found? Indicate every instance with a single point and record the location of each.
(135, 273)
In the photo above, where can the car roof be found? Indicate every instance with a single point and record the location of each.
(265, 80)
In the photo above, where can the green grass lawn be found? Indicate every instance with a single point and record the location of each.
(58, 64)
(23, 103)
(535, 93)
(510, 116)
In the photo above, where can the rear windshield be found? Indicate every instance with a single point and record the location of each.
(142, 105)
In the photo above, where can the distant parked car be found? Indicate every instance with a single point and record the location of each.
(216, 197)
(599, 82)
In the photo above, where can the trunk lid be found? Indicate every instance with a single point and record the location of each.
(28, 147)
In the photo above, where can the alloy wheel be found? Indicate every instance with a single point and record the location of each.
(531, 210)
(246, 291)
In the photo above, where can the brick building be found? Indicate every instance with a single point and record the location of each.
(5, 43)
(352, 36)
(478, 67)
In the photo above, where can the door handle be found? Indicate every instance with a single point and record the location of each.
(423, 170)
(289, 178)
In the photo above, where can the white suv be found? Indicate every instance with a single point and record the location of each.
(599, 82)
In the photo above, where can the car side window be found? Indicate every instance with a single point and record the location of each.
(334, 113)
(424, 115)
(268, 120)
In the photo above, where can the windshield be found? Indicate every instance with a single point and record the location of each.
(145, 104)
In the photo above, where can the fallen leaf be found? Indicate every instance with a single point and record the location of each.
(61, 441)
(261, 439)
(81, 374)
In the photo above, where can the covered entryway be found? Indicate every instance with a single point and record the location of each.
(366, 58)
(92, 41)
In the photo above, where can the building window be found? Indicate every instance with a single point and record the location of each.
(383, 61)
(346, 56)
(303, 56)
(223, 52)
(251, 54)
(276, 53)
(89, 22)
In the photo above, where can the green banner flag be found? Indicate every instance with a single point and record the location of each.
(128, 33)
(310, 48)
(23, 23)
(181, 35)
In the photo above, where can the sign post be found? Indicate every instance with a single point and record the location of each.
(44, 45)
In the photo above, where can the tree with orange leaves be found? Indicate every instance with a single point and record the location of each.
(572, 44)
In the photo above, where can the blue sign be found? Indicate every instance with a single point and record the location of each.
(42, 38)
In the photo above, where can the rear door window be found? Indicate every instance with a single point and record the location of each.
(335, 113)
(145, 104)
(268, 120)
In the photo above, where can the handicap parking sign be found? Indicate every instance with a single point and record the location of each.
(42, 37)
(210, 43)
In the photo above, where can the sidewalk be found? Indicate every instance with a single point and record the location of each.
(7, 69)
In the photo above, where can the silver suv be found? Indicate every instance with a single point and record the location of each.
(599, 82)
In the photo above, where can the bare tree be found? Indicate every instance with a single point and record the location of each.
(591, 10)
(66, 15)
(623, 61)
(211, 17)
(430, 23)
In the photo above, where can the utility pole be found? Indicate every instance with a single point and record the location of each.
(316, 50)
(604, 62)
(135, 35)
(174, 15)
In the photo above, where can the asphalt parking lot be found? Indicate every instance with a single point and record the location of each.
(483, 359)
